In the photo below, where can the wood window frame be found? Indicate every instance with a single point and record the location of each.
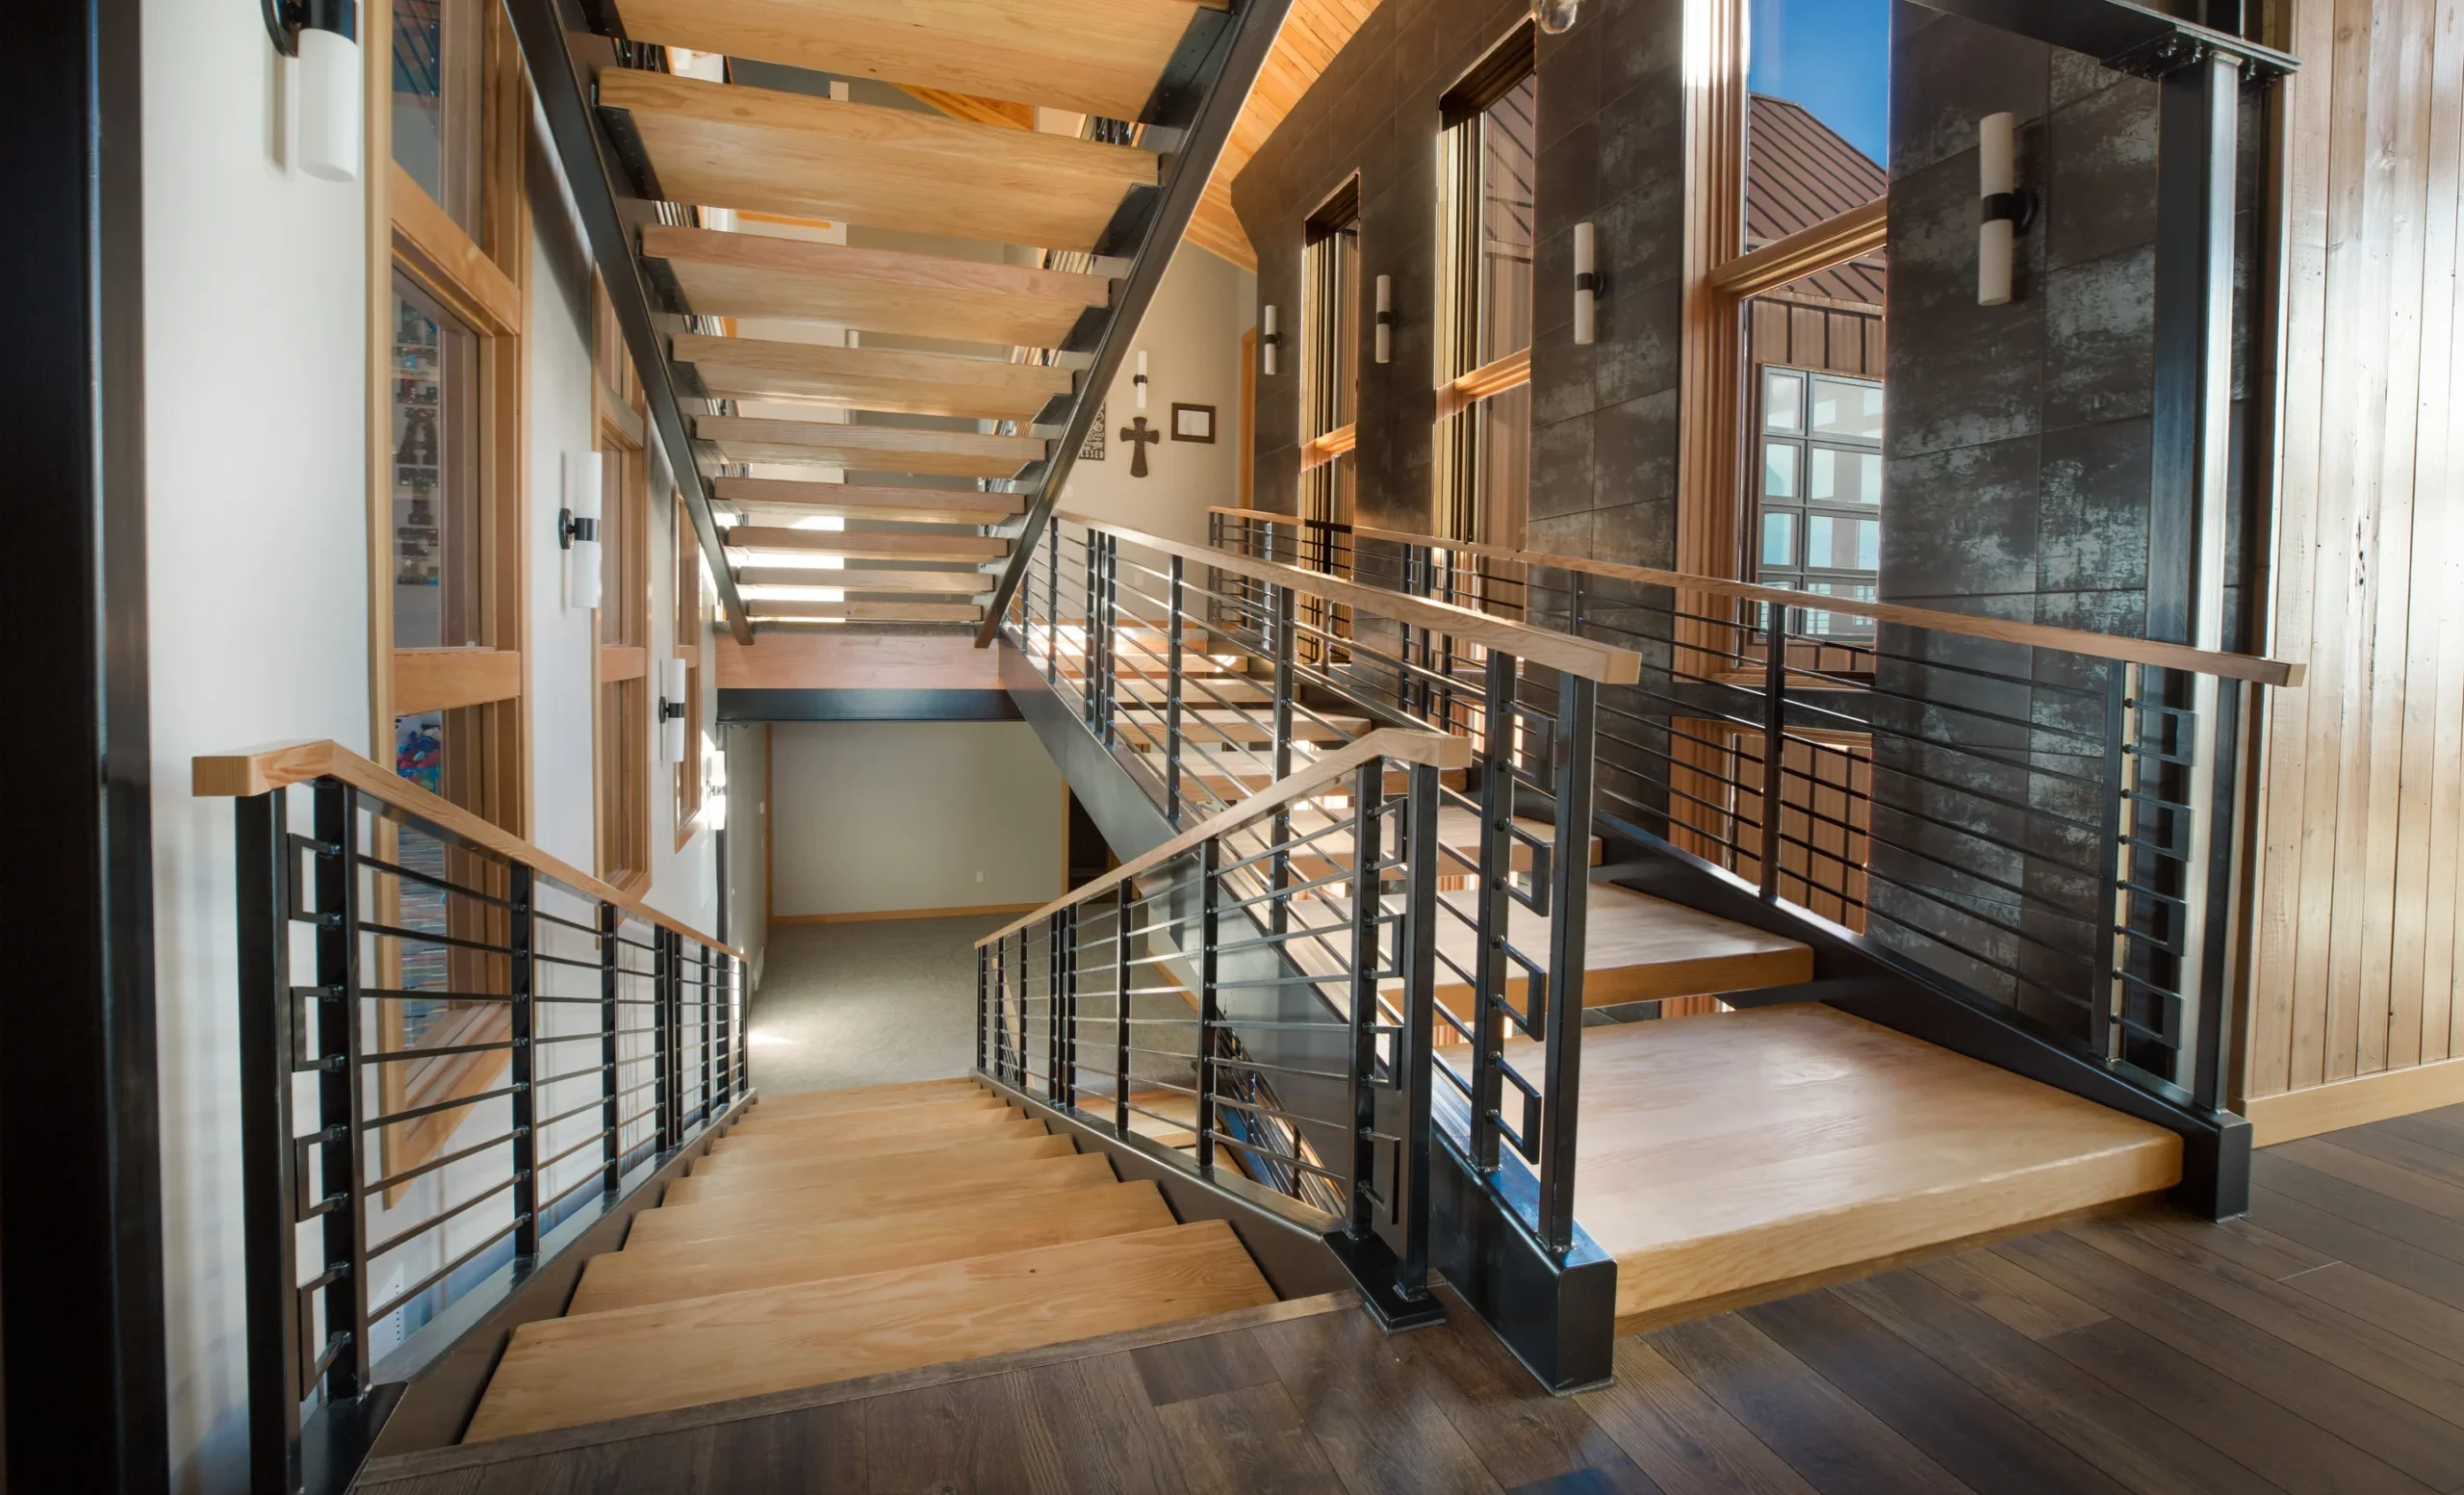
(623, 731)
(482, 282)
(692, 633)
(1463, 381)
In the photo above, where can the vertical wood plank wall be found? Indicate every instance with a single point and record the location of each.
(2353, 951)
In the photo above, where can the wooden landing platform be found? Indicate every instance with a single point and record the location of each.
(1727, 1157)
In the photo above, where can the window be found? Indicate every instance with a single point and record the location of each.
(692, 631)
(1330, 366)
(1819, 471)
(438, 119)
(623, 731)
(1487, 202)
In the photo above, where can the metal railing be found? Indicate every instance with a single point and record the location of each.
(2042, 817)
(1250, 1002)
(452, 1046)
(1207, 676)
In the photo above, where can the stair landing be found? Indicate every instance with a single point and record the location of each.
(1732, 1156)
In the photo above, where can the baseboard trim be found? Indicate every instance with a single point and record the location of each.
(871, 916)
(2356, 1102)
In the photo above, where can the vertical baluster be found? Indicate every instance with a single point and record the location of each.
(273, 1033)
(1055, 957)
(523, 1012)
(1774, 742)
(1489, 1002)
(726, 1003)
(1416, 955)
(703, 955)
(1209, 998)
(1120, 1007)
(338, 1088)
(1173, 607)
(1111, 639)
(2104, 988)
(1284, 669)
(1570, 903)
(983, 1010)
(999, 1001)
(1019, 1058)
(611, 1052)
(1368, 796)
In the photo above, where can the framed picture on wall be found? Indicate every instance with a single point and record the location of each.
(1192, 422)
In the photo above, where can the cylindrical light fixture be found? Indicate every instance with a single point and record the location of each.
(1141, 380)
(577, 531)
(673, 682)
(1268, 341)
(324, 36)
(1555, 17)
(1385, 318)
(1586, 284)
(2003, 210)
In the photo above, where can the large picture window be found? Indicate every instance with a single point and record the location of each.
(1819, 481)
(1330, 363)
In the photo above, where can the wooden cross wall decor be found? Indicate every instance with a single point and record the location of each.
(1141, 436)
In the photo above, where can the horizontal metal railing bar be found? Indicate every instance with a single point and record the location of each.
(593, 1140)
(594, 1103)
(442, 1273)
(576, 925)
(433, 1221)
(443, 885)
(396, 1180)
(397, 1118)
(429, 994)
(543, 1040)
(442, 1050)
(590, 1073)
(431, 937)
(1270, 1155)
(567, 960)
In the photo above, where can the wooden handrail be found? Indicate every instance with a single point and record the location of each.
(1602, 662)
(260, 770)
(1436, 749)
(2258, 669)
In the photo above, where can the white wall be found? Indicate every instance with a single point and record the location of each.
(257, 555)
(1191, 335)
(887, 816)
(748, 870)
(257, 548)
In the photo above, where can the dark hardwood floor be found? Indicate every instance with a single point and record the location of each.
(2317, 1346)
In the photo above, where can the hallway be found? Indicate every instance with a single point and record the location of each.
(876, 1002)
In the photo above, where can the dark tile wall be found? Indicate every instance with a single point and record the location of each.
(1604, 459)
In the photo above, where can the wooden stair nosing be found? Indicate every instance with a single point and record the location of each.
(853, 501)
(866, 1096)
(729, 146)
(737, 275)
(1097, 57)
(867, 545)
(824, 1197)
(942, 584)
(652, 1274)
(958, 1117)
(742, 376)
(802, 614)
(870, 1142)
(557, 1372)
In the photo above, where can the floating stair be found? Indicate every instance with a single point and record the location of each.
(856, 1232)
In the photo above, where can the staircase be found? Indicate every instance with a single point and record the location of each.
(851, 1233)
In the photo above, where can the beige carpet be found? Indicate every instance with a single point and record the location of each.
(875, 1003)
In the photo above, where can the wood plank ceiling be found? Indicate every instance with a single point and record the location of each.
(868, 406)
(1314, 32)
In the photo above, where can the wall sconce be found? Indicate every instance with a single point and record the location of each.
(1141, 380)
(324, 36)
(1268, 341)
(1385, 318)
(1555, 16)
(672, 685)
(577, 532)
(1586, 284)
(2003, 210)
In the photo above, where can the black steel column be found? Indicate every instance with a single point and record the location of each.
(269, 1177)
(611, 1051)
(522, 985)
(80, 1151)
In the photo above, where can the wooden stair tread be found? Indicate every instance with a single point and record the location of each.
(852, 1147)
(724, 145)
(855, 1248)
(1050, 1169)
(752, 539)
(1099, 57)
(778, 613)
(826, 1128)
(1722, 1152)
(562, 1372)
(870, 501)
(795, 585)
(796, 1163)
(732, 274)
(877, 449)
(868, 378)
(1636, 948)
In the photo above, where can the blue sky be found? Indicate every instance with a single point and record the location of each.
(1833, 57)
